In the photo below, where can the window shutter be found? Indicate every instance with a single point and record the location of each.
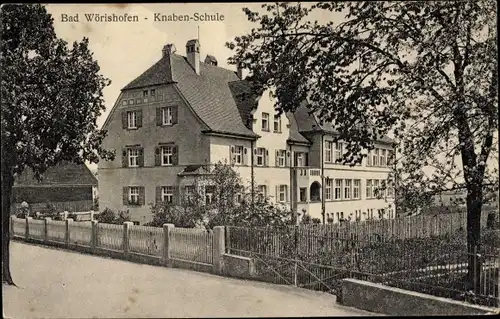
(277, 193)
(124, 119)
(124, 158)
(142, 195)
(175, 155)
(244, 156)
(266, 157)
(141, 156)
(157, 156)
(231, 152)
(306, 156)
(158, 195)
(295, 159)
(125, 195)
(174, 114)
(255, 157)
(276, 162)
(158, 116)
(287, 159)
(139, 118)
(176, 198)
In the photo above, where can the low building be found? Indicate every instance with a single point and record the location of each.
(67, 186)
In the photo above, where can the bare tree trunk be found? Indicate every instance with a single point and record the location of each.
(474, 203)
(7, 183)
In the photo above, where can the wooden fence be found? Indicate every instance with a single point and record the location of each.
(420, 226)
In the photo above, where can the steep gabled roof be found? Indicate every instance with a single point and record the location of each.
(63, 174)
(245, 100)
(208, 93)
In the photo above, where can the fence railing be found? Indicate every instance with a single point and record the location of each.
(165, 244)
(192, 244)
(146, 240)
(419, 226)
(319, 259)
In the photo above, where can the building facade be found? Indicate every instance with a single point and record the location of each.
(181, 115)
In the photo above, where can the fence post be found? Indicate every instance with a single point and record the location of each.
(93, 240)
(219, 249)
(166, 244)
(11, 226)
(66, 233)
(27, 230)
(126, 244)
(46, 229)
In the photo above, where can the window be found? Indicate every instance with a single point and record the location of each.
(282, 193)
(375, 188)
(133, 195)
(328, 151)
(131, 102)
(166, 116)
(261, 153)
(303, 194)
(189, 193)
(347, 188)
(262, 192)
(383, 161)
(265, 121)
(209, 194)
(338, 189)
(390, 190)
(145, 96)
(369, 193)
(328, 189)
(281, 158)
(166, 155)
(132, 119)
(153, 92)
(383, 189)
(300, 159)
(133, 157)
(238, 154)
(390, 159)
(338, 152)
(376, 157)
(167, 194)
(124, 102)
(355, 189)
(277, 124)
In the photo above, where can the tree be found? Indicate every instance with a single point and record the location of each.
(51, 99)
(425, 71)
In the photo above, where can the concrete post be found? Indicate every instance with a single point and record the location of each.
(93, 241)
(66, 233)
(11, 226)
(27, 232)
(65, 215)
(219, 248)
(166, 243)
(126, 243)
(91, 215)
(46, 228)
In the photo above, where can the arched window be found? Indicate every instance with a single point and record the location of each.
(315, 192)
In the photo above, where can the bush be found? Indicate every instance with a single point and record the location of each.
(107, 216)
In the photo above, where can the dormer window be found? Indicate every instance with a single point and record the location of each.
(145, 96)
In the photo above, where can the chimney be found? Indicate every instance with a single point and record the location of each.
(193, 54)
(168, 49)
(211, 60)
(239, 71)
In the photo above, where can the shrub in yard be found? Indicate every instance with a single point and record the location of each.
(107, 216)
(123, 216)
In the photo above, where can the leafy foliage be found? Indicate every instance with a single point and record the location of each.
(108, 216)
(425, 71)
(51, 98)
